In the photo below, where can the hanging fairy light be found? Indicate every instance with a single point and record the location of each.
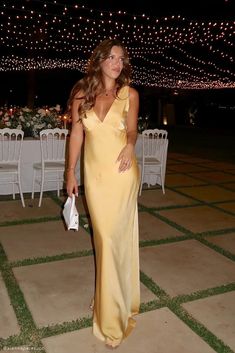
(172, 51)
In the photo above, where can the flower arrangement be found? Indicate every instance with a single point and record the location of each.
(143, 123)
(31, 121)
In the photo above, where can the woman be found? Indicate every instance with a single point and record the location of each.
(106, 109)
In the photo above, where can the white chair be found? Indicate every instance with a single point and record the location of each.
(10, 155)
(152, 162)
(52, 166)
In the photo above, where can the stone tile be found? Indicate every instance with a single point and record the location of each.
(187, 168)
(62, 291)
(214, 176)
(152, 228)
(193, 159)
(225, 241)
(175, 155)
(155, 198)
(146, 295)
(186, 267)
(227, 206)
(200, 218)
(42, 239)
(156, 331)
(220, 165)
(13, 210)
(209, 193)
(172, 161)
(58, 291)
(217, 313)
(8, 321)
(181, 180)
(187, 158)
(230, 186)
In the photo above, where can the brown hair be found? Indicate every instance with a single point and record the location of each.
(93, 79)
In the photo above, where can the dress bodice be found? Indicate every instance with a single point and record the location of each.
(116, 115)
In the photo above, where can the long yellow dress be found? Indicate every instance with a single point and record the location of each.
(112, 201)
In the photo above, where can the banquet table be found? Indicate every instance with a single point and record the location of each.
(31, 154)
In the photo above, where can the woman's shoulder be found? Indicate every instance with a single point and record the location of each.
(133, 93)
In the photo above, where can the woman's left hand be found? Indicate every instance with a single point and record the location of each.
(125, 158)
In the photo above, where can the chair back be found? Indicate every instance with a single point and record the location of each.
(10, 145)
(154, 143)
(53, 144)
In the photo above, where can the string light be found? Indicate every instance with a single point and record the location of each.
(172, 52)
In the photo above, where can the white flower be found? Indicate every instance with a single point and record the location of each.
(42, 112)
(39, 126)
(31, 120)
(26, 109)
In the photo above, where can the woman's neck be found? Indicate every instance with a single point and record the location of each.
(108, 90)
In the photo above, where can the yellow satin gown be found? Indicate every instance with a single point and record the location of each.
(112, 201)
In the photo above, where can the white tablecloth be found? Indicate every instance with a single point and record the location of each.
(31, 154)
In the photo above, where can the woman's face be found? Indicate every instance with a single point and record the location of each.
(113, 65)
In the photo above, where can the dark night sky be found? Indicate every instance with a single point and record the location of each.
(193, 8)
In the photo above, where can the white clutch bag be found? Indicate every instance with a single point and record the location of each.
(70, 213)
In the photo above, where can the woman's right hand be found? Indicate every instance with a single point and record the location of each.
(72, 184)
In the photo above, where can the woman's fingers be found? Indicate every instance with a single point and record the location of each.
(125, 159)
(74, 190)
(125, 164)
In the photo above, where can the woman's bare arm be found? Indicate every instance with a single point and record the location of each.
(75, 145)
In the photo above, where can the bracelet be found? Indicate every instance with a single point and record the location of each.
(70, 168)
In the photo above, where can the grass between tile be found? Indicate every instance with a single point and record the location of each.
(217, 248)
(47, 259)
(65, 327)
(29, 221)
(205, 293)
(28, 330)
(174, 304)
(31, 336)
(217, 344)
(202, 202)
(173, 239)
(187, 233)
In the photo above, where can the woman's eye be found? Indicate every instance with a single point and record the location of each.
(112, 58)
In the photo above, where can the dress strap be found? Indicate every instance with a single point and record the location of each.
(124, 95)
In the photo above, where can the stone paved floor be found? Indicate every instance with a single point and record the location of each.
(187, 262)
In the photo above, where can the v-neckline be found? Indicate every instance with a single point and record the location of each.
(106, 113)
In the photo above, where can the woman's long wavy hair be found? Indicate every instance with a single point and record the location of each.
(93, 80)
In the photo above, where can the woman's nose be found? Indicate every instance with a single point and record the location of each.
(117, 61)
